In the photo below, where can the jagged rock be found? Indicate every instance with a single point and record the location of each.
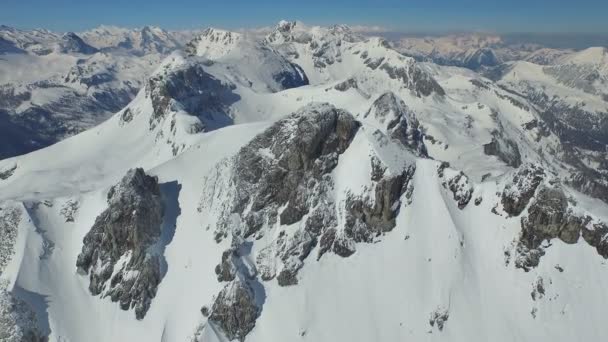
(283, 178)
(440, 317)
(414, 78)
(5, 174)
(590, 182)
(117, 251)
(597, 236)
(235, 310)
(71, 42)
(549, 217)
(9, 224)
(504, 148)
(18, 322)
(196, 91)
(350, 83)
(517, 194)
(366, 218)
(457, 183)
(69, 209)
(461, 189)
(299, 153)
(226, 270)
(538, 289)
(400, 121)
(293, 252)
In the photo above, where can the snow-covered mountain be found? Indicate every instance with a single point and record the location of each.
(475, 51)
(41, 42)
(309, 185)
(571, 96)
(145, 40)
(470, 51)
(53, 86)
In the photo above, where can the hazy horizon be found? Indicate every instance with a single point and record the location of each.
(516, 16)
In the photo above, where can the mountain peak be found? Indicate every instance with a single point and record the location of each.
(213, 43)
(71, 42)
(285, 25)
(591, 56)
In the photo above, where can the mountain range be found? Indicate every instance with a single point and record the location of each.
(306, 183)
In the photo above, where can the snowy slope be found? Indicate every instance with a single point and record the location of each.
(386, 200)
(47, 96)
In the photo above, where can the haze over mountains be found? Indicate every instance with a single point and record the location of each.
(300, 183)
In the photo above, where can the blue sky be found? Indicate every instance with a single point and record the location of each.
(404, 15)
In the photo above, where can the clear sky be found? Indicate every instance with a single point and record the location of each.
(404, 15)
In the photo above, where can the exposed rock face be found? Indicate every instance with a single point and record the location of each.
(350, 83)
(439, 318)
(401, 123)
(287, 165)
(71, 42)
(414, 78)
(550, 217)
(367, 218)
(18, 322)
(457, 183)
(547, 218)
(596, 235)
(194, 90)
(591, 182)
(283, 177)
(9, 223)
(505, 149)
(521, 189)
(69, 210)
(7, 173)
(235, 310)
(291, 78)
(481, 58)
(281, 183)
(118, 252)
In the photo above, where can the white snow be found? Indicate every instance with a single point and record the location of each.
(438, 258)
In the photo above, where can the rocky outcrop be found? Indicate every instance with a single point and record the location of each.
(591, 182)
(192, 89)
(283, 178)
(235, 310)
(350, 83)
(9, 225)
(18, 322)
(286, 165)
(521, 188)
(596, 235)
(439, 318)
(391, 112)
(414, 78)
(483, 57)
(457, 183)
(7, 173)
(367, 217)
(281, 183)
(503, 148)
(72, 43)
(549, 217)
(118, 252)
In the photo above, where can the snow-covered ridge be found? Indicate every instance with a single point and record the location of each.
(213, 43)
(145, 40)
